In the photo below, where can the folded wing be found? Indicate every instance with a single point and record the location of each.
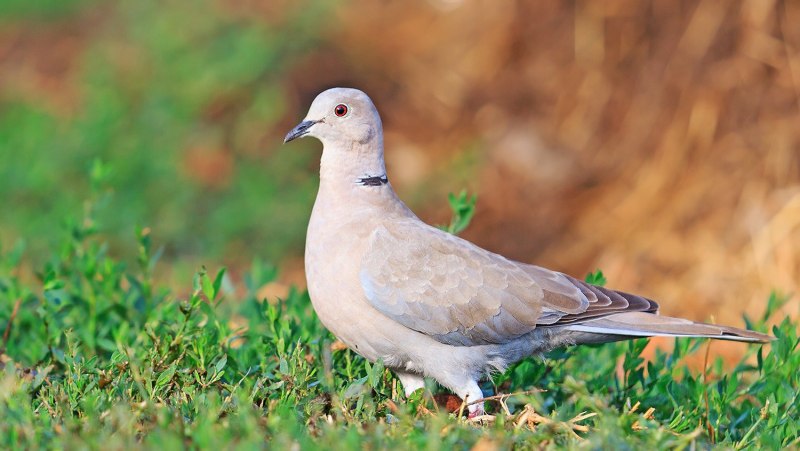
(446, 287)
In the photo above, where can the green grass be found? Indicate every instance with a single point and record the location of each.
(95, 354)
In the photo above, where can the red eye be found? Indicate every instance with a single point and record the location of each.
(340, 110)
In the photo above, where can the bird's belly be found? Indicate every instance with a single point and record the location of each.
(338, 299)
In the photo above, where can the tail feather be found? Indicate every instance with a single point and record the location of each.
(641, 324)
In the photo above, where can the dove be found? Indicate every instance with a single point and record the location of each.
(428, 303)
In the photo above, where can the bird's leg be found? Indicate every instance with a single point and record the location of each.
(411, 382)
(469, 393)
(463, 383)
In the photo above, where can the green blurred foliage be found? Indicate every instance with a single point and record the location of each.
(179, 100)
(42, 9)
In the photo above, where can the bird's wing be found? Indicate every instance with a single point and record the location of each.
(448, 288)
(603, 302)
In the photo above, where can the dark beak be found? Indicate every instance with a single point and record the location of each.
(299, 131)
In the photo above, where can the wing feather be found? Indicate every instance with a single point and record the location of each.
(446, 287)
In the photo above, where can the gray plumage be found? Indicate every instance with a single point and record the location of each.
(431, 304)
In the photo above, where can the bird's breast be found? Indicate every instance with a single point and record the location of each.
(332, 261)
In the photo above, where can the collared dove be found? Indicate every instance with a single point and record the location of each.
(431, 304)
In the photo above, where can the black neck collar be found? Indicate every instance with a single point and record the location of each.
(377, 180)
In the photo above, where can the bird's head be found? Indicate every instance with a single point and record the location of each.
(340, 117)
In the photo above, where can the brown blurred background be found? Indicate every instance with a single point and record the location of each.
(656, 140)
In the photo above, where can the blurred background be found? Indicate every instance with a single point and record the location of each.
(657, 140)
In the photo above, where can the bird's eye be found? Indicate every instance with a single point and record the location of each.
(341, 110)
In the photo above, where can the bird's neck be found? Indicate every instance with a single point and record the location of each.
(358, 165)
(354, 188)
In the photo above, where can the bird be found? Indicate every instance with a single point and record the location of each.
(430, 304)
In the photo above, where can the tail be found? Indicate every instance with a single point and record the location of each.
(641, 324)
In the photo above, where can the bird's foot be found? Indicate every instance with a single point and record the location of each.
(479, 415)
(475, 410)
(475, 413)
(472, 396)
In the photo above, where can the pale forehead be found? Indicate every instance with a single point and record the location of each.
(342, 94)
